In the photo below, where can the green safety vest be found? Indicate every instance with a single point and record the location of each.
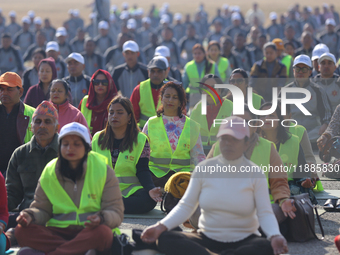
(209, 136)
(162, 159)
(86, 112)
(65, 212)
(192, 72)
(287, 61)
(28, 111)
(146, 103)
(260, 156)
(125, 167)
(289, 153)
(222, 67)
(298, 130)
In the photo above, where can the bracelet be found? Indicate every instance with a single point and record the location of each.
(281, 201)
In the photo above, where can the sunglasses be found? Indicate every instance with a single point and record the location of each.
(103, 82)
(236, 81)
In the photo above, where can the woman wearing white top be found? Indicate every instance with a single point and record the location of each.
(228, 224)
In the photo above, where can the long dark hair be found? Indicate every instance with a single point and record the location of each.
(181, 97)
(244, 75)
(282, 134)
(208, 64)
(66, 170)
(106, 137)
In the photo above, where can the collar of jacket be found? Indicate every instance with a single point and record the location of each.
(133, 69)
(329, 81)
(61, 107)
(305, 85)
(76, 79)
(53, 145)
(276, 67)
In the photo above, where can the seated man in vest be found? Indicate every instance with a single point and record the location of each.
(145, 97)
(29, 160)
(15, 117)
(79, 83)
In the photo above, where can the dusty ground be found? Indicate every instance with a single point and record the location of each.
(56, 10)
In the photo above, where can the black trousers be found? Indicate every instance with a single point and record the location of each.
(139, 202)
(180, 243)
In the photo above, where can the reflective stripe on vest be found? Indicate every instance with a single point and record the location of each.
(65, 212)
(209, 136)
(28, 111)
(125, 167)
(193, 76)
(86, 112)
(260, 156)
(146, 103)
(289, 153)
(287, 61)
(298, 130)
(222, 66)
(162, 159)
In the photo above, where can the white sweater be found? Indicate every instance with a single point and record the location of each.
(233, 205)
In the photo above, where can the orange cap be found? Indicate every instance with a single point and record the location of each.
(279, 43)
(11, 79)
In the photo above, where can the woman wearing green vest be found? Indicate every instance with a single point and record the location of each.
(94, 106)
(239, 78)
(128, 151)
(175, 139)
(214, 51)
(214, 111)
(290, 151)
(195, 70)
(77, 202)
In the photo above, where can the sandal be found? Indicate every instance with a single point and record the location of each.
(330, 204)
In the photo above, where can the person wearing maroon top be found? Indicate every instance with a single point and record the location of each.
(3, 216)
(40, 92)
(101, 91)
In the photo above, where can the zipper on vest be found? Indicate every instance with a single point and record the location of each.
(75, 187)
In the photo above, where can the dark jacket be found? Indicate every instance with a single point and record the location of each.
(24, 170)
(262, 82)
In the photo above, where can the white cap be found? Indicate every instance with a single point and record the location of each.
(61, 31)
(309, 9)
(75, 56)
(162, 51)
(272, 15)
(124, 15)
(236, 8)
(328, 56)
(318, 50)
(303, 59)
(325, 5)
(131, 24)
(75, 128)
(131, 46)
(37, 21)
(114, 8)
(31, 14)
(165, 5)
(235, 16)
(70, 11)
(92, 15)
(103, 25)
(163, 59)
(125, 5)
(165, 19)
(26, 20)
(76, 13)
(146, 20)
(112, 17)
(52, 46)
(225, 7)
(139, 12)
(330, 22)
(12, 14)
(178, 16)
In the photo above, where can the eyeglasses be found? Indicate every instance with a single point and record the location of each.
(236, 81)
(303, 69)
(103, 82)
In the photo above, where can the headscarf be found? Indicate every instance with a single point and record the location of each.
(51, 62)
(111, 93)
